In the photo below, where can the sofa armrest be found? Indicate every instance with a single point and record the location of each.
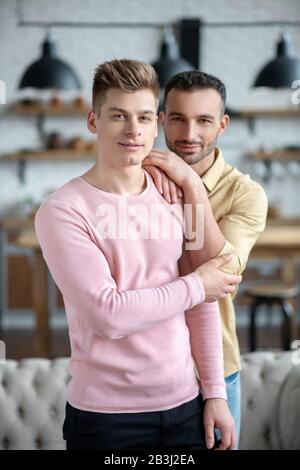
(270, 390)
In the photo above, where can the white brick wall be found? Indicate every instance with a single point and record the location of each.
(235, 55)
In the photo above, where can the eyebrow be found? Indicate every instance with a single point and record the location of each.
(120, 110)
(203, 116)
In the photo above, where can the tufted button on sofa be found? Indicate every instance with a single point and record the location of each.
(270, 401)
(32, 402)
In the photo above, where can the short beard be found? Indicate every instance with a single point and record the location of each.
(198, 157)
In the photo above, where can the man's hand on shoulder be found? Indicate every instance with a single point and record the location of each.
(174, 167)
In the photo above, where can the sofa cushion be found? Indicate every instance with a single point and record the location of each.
(262, 377)
(32, 402)
(289, 412)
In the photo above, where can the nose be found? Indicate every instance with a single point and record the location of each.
(133, 129)
(190, 131)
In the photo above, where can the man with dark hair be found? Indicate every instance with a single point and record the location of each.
(195, 80)
(135, 322)
(235, 206)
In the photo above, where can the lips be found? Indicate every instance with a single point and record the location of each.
(130, 145)
(188, 148)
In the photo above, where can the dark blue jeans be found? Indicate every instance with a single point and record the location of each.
(180, 427)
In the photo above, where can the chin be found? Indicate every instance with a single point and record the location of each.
(191, 159)
(134, 160)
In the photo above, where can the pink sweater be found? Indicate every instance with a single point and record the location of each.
(132, 327)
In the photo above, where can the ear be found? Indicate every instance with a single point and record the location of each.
(156, 127)
(223, 124)
(162, 117)
(91, 122)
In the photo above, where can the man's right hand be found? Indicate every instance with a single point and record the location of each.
(217, 284)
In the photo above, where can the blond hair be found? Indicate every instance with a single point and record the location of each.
(123, 74)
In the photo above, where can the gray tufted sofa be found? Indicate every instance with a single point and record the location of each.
(32, 402)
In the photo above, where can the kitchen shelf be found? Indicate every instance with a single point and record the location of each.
(256, 113)
(40, 109)
(53, 155)
(277, 155)
(252, 114)
(57, 154)
(64, 109)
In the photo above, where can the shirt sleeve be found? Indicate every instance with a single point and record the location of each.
(82, 273)
(205, 330)
(243, 225)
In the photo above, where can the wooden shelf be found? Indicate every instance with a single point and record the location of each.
(36, 110)
(65, 109)
(59, 154)
(40, 111)
(284, 221)
(22, 158)
(256, 113)
(277, 155)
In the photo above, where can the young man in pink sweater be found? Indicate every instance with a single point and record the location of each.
(137, 324)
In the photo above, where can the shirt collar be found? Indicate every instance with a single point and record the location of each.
(214, 173)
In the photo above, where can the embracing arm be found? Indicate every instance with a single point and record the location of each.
(82, 273)
(204, 326)
(239, 229)
(169, 170)
(236, 232)
(243, 225)
(206, 238)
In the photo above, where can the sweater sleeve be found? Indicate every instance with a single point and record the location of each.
(204, 325)
(82, 273)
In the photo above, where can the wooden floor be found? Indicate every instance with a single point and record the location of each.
(20, 343)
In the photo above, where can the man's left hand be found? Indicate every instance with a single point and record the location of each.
(175, 168)
(217, 415)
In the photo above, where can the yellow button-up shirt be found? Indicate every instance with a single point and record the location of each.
(239, 205)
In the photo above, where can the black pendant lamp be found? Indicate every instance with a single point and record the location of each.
(49, 72)
(170, 62)
(282, 71)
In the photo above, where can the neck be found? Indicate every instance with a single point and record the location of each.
(127, 181)
(203, 165)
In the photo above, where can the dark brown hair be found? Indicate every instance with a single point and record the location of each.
(196, 80)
